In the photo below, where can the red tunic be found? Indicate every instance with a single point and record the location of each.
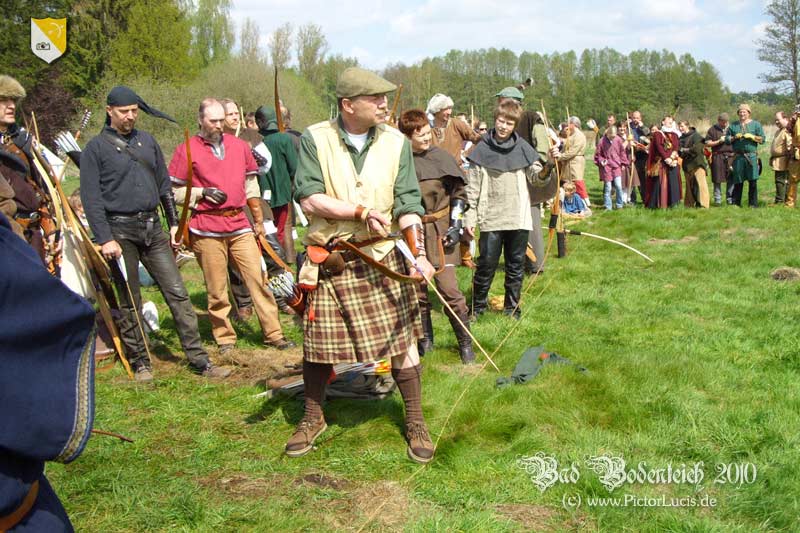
(227, 174)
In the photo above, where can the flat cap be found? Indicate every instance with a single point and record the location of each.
(511, 92)
(11, 88)
(356, 81)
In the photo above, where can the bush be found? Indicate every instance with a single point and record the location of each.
(249, 83)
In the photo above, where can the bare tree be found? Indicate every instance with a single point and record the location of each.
(280, 45)
(249, 37)
(779, 46)
(311, 47)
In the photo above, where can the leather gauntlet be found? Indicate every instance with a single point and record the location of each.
(453, 235)
(414, 236)
(170, 212)
(258, 216)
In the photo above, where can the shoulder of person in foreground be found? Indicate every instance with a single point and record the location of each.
(46, 387)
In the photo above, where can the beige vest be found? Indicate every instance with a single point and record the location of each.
(372, 188)
(780, 151)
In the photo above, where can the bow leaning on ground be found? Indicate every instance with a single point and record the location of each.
(631, 248)
(278, 113)
(188, 197)
(555, 209)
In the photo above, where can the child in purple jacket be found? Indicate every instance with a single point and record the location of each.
(610, 157)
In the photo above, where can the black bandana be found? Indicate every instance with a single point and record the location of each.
(513, 154)
(123, 96)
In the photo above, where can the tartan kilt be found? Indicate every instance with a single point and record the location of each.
(360, 315)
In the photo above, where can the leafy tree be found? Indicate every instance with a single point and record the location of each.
(160, 55)
(47, 86)
(592, 85)
(779, 46)
(93, 26)
(16, 57)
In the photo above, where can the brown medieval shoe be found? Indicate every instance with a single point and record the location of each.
(213, 371)
(143, 374)
(420, 446)
(302, 441)
(226, 348)
(280, 344)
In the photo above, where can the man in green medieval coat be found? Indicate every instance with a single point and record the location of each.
(744, 136)
(278, 179)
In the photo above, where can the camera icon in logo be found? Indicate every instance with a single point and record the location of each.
(43, 46)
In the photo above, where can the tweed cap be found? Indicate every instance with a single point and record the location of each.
(356, 81)
(11, 88)
(511, 92)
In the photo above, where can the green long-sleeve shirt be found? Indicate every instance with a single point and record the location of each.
(284, 165)
(308, 179)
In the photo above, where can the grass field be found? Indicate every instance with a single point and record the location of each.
(692, 359)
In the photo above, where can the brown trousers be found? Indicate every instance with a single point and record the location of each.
(699, 177)
(213, 254)
(794, 178)
(447, 284)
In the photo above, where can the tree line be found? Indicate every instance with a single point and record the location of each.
(591, 84)
(177, 43)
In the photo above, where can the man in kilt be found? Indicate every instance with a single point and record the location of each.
(356, 181)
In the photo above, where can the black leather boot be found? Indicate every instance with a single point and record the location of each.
(515, 260)
(464, 340)
(425, 344)
(491, 242)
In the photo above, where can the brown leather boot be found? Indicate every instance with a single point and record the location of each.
(307, 431)
(420, 447)
(791, 194)
(315, 376)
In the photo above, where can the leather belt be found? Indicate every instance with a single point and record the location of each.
(229, 212)
(438, 215)
(139, 215)
(10, 520)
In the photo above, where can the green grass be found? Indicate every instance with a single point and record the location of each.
(693, 358)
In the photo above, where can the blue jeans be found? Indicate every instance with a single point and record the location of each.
(607, 193)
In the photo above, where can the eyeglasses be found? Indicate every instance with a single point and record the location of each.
(481, 129)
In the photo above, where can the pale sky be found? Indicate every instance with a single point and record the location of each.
(379, 32)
